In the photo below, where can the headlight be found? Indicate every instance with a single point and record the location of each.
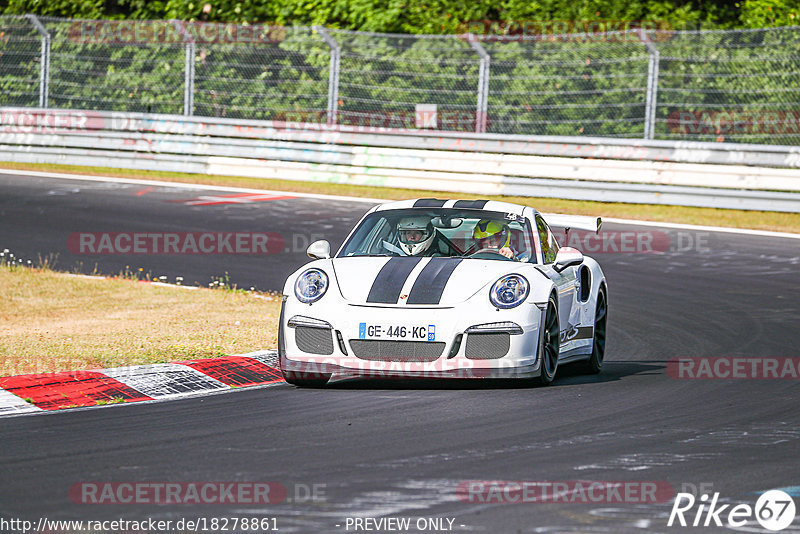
(509, 291)
(311, 285)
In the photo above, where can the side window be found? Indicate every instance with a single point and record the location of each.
(381, 232)
(547, 240)
(368, 240)
(553, 242)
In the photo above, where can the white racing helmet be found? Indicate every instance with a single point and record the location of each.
(408, 232)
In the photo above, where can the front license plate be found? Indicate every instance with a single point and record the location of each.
(395, 331)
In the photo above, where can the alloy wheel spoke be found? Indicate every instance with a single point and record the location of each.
(549, 361)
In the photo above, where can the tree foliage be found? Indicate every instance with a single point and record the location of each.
(426, 16)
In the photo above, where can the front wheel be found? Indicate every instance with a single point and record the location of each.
(548, 351)
(595, 362)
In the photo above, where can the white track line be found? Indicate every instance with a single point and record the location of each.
(161, 380)
(184, 185)
(678, 226)
(10, 404)
(180, 185)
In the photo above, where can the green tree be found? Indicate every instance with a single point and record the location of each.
(769, 13)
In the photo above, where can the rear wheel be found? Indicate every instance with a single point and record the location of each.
(306, 380)
(548, 351)
(595, 362)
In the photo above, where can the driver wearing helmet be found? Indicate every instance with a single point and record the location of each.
(418, 237)
(495, 236)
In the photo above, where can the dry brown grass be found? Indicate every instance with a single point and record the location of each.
(759, 220)
(53, 322)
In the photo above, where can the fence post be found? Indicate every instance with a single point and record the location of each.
(483, 84)
(188, 82)
(188, 68)
(44, 68)
(333, 75)
(651, 101)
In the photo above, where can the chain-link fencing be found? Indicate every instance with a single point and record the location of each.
(101, 71)
(572, 85)
(383, 77)
(21, 51)
(724, 86)
(739, 86)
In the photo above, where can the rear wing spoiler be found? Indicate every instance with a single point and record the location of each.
(570, 222)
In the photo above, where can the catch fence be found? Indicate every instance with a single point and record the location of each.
(738, 86)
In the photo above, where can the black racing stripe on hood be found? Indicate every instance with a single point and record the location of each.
(389, 282)
(429, 203)
(429, 285)
(475, 204)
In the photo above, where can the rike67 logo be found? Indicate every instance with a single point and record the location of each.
(774, 510)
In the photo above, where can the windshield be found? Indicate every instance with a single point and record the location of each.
(443, 232)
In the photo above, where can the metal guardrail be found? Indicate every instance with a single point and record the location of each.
(654, 172)
(20, 119)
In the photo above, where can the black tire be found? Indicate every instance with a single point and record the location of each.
(595, 362)
(306, 380)
(548, 351)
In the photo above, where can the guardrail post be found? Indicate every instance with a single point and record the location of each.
(333, 74)
(44, 67)
(483, 84)
(652, 85)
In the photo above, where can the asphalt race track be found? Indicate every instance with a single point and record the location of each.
(39, 216)
(401, 450)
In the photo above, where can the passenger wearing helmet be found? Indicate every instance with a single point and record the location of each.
(493, 235)
(418, 237)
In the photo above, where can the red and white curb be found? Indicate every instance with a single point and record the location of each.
(75, 389)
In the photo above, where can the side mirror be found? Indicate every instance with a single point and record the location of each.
(566, 257)
(319, 250)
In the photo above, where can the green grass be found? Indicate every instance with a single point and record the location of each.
(51, 322)
(758, 220)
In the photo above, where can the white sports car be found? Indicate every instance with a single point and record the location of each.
(445, 289)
